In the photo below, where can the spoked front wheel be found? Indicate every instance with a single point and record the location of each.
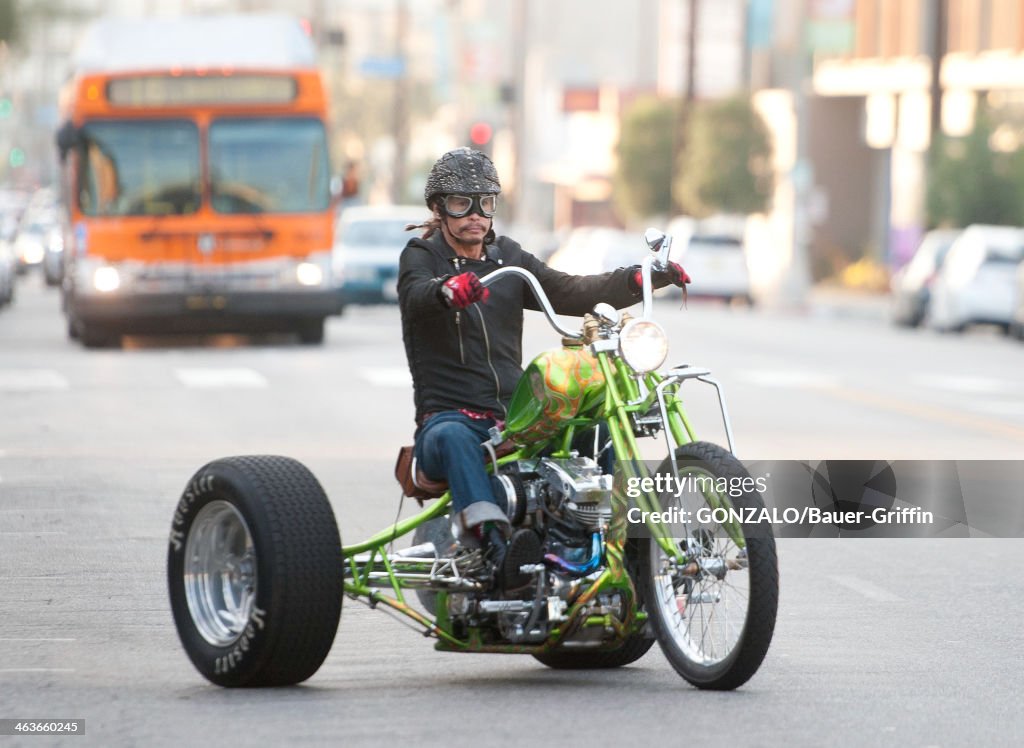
(714, 611)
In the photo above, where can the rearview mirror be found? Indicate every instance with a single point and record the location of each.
(660, 244)
(654, 239)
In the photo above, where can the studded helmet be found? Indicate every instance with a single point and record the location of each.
(462, 171)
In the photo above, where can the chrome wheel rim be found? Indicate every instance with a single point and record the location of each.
(704, 613)
(220, 573)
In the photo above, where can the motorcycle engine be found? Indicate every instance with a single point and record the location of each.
(576, 491)
(567, 502)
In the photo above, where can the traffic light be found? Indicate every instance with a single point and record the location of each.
(481, 136)
(6, 107)
(16, 158)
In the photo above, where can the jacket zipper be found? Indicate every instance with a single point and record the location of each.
(457, 261)
(458, 327)
(487, 347)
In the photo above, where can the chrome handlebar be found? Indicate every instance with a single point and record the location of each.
(657, 258)
(538, 293)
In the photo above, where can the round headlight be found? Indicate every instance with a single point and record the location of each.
(643, 344)
(106, 279)
(309, 274)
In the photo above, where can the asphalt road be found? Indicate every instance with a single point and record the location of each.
(892, 642)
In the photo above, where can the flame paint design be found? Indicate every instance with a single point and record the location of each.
(552, 390)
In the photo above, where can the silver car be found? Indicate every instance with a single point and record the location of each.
(977, 283)
(368, 242)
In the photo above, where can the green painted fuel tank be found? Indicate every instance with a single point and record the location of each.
(556, 386)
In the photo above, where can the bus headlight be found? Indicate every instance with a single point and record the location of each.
(643, 344)
(309, 274)
(106, 279)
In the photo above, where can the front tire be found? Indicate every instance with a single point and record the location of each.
(255, 572)
(714, 626)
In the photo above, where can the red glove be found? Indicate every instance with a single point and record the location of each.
(673, 275)
(460, 291)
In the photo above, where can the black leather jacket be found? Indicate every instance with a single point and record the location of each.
(472, 358)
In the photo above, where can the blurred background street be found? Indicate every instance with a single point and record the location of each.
(879, 642)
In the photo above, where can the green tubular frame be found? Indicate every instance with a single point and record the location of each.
(621, 389)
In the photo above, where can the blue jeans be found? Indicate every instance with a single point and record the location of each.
(448, 448)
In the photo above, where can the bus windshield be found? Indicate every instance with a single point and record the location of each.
(269, 166)
(145, 168)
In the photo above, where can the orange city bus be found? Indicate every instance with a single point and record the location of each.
(197, 181)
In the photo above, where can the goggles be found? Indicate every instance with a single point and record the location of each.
(458, 206)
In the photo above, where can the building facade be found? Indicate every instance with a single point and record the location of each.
(911, 69)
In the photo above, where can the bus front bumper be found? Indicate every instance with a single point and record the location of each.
(232, 311)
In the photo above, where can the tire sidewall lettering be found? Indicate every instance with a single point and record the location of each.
(237, 652)
(229, 660)
(199, 488)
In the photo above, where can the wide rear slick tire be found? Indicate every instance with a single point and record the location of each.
(762, 584)
(255, 572)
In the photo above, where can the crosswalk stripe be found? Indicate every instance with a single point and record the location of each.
(220, 378)
(786, 379)
(31, 380)
(387, 376)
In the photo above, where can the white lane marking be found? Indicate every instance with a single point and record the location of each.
(867, 589)
(387, 376)
(31, 380)
(998, 407)
(786, 379)
(221, 378)
(970, 385)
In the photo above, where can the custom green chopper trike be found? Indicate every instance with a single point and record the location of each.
(257, 571)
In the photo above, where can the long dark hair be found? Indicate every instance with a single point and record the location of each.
(430, 227)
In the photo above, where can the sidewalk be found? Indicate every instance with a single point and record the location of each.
(834, 302)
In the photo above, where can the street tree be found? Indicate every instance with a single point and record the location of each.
(970, 182)
(726, 164)
(8, 21)
(643, 177)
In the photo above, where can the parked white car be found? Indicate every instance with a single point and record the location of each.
(912, 284)
(1017, 323)
(977, 282)
(718, 265)
(8, 269)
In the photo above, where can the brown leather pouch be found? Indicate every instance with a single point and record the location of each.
(422, 488)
